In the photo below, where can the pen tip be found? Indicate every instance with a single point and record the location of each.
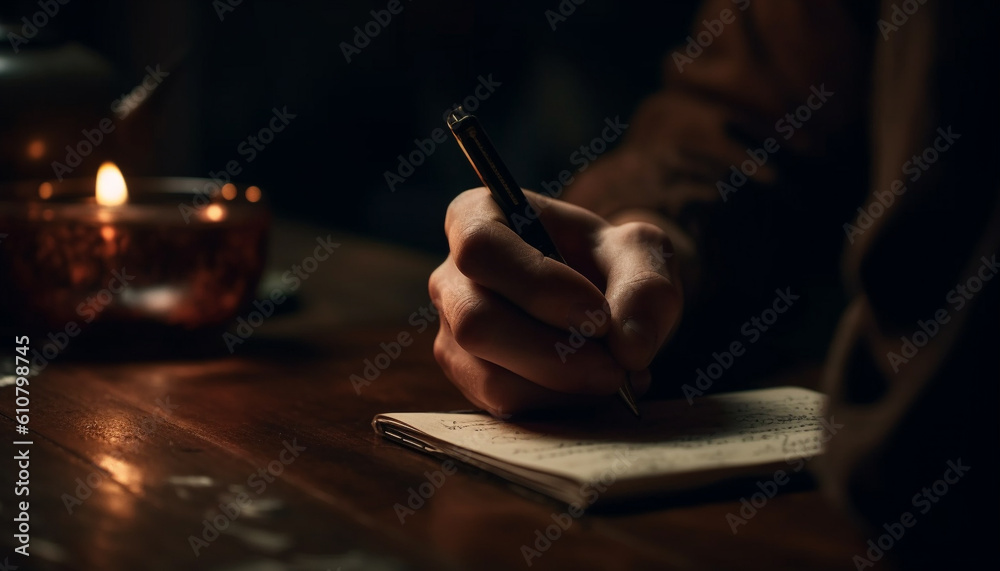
(625, 391)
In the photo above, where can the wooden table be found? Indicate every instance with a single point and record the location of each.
(130, 459)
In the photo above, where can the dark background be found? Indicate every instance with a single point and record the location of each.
(355, 119)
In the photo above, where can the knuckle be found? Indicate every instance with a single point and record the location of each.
(647, 233)
(453, 212)
(471, 248)
(440, 349)
(434, 284)
(468, 320)
(461, 204)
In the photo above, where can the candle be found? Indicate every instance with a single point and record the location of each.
(92, 254)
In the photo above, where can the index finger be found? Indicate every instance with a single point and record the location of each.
(490, 253)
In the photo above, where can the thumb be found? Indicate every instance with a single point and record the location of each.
(644, 297)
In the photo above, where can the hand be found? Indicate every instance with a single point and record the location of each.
(508, 314)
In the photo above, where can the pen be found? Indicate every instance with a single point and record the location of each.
(508, 194)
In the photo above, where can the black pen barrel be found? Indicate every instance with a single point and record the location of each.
(493, 172)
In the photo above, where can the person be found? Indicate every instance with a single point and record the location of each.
(822, 145)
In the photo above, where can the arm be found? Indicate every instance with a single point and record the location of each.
(715, 108)
(506, 311)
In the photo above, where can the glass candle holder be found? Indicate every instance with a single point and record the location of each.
(169, 257)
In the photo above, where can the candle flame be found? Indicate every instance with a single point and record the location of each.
(215, 213)
(111, 189)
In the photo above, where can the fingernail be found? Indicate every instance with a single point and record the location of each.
(636, 332)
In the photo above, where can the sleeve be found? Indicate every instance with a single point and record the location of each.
(912, 373)
(733, 149)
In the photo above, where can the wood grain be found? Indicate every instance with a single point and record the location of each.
(164, 469)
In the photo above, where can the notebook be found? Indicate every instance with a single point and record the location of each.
(676, 446)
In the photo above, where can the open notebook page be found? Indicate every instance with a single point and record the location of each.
(673, 437)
